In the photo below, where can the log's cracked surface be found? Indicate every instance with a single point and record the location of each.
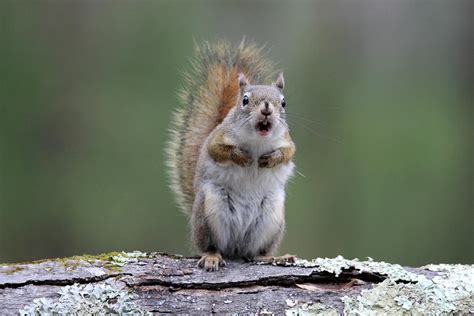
(139, 282)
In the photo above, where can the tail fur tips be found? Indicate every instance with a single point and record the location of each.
(210, 90)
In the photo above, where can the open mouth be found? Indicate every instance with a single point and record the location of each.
(263, 127)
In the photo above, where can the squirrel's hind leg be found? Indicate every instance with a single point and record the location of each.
(266, 253)
(211, 259)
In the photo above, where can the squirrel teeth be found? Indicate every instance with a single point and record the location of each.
(264, 126)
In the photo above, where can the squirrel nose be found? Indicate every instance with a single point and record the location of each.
(266, 110)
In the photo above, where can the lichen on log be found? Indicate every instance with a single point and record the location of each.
(145, 283)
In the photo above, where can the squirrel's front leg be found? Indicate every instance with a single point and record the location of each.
(280, 155)
(221, 150)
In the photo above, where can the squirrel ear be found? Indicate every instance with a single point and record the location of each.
(280, 82)
(242, 81)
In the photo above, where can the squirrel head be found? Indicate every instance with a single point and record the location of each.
(262, 107)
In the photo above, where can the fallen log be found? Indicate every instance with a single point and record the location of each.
(140, 283)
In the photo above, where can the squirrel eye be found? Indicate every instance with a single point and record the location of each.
(283, 103)
(245, 101)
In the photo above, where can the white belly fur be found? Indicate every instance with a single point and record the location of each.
(244, 205)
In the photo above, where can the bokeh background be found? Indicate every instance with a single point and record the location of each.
(381, 94)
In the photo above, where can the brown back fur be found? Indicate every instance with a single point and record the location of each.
(210, 91)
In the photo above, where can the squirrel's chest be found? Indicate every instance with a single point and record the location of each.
(253, 179)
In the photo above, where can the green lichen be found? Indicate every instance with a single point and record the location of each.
(123, 258)
(309, 308)
(85, 300)
(119, 259)
(338, 264)
(104, 257)
(112, 261)
(72, 263)
(451, 291)
(12, 270)
(86, 257)
(90, 298)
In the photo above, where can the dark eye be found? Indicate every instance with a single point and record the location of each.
(283, 103)
(245, 101)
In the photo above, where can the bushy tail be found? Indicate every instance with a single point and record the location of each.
(210, 91)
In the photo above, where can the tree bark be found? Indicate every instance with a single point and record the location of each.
(140, 283)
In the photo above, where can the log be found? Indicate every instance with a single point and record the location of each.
(141, 283)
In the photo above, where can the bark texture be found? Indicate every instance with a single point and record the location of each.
(138, 282)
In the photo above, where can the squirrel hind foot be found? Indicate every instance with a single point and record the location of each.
(211, 262)
(276, 260)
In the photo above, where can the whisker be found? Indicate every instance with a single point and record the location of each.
(246, 120)
(297, 171)
(309, 120)
(322, 135)
(283, 121)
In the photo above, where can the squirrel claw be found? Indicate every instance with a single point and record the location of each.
(267, 160)
(278, 260)
(211, 262)
(241, 157)
(263, 162)
(285, 259)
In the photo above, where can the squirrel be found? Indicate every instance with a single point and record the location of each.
(230, 154)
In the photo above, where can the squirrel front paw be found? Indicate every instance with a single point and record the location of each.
(211, 262)
(270, 160)
(241, 157)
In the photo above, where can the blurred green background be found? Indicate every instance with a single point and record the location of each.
(382, 96)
